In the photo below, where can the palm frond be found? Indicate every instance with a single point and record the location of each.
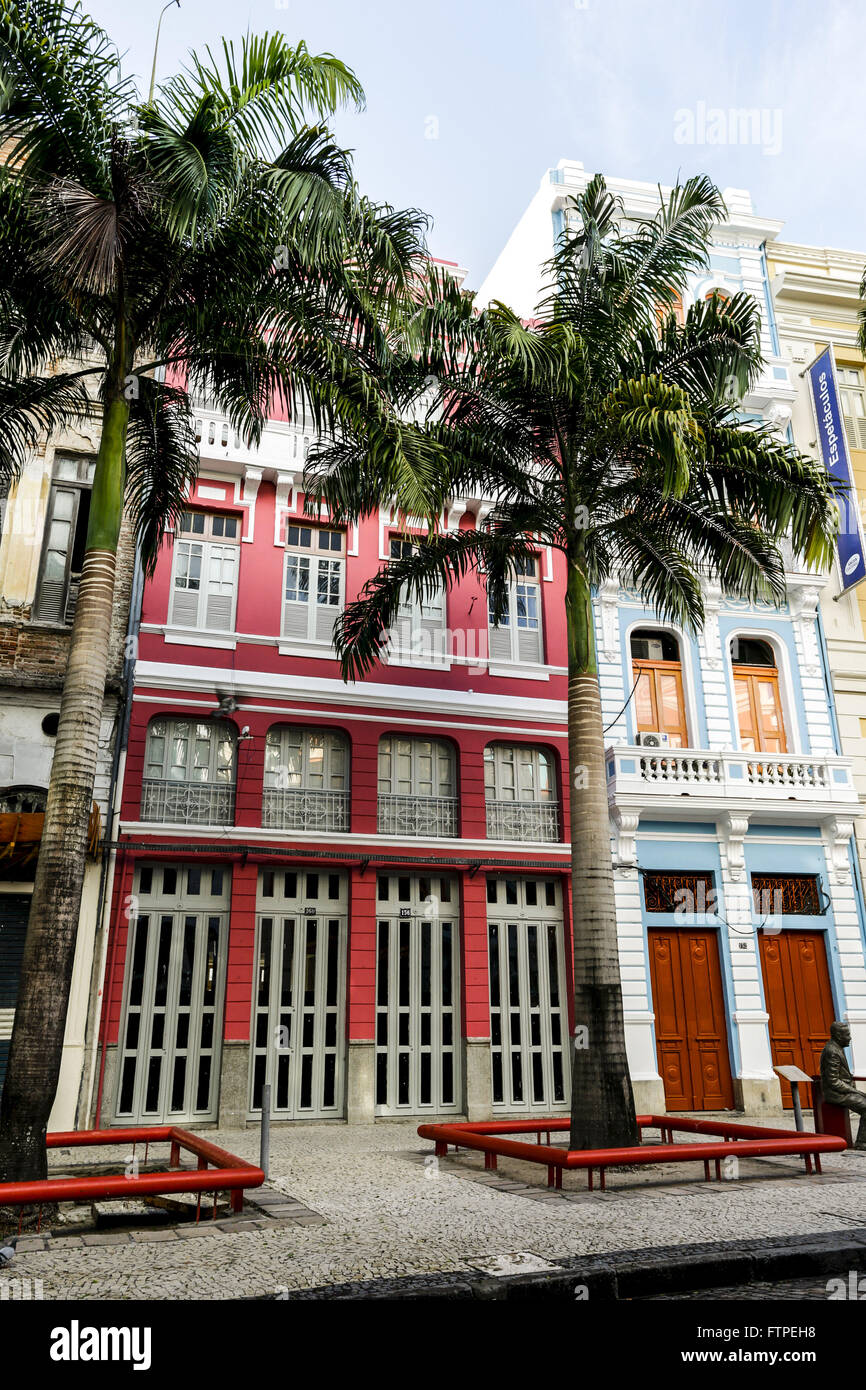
(262, 91)
(34, 407)
(161, 463)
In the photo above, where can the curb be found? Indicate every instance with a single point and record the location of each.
(624, 1274)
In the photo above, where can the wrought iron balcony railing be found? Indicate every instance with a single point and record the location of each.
(194, 803)
(522, 820)
(301, 808)
(417, 815)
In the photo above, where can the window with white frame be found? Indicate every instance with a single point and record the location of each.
(189, 771)
(314, 584)
(520, 793)
(853, 402)
(419, 628)
(518, 636)
(417, 786)
(306, 783)
(205, 573)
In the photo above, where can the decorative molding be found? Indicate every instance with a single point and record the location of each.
(626, 822)
(778, 415)
(456, 508)
(732, 830)
(803, 603)
(285, 493)
(252, 479)
(608, 596)
(839, 834)
(711, 634)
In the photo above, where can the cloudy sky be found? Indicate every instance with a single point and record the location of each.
(470, 101)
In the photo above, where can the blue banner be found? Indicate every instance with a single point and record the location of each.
(834, 452)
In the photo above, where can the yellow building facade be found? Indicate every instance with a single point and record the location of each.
(816, 302)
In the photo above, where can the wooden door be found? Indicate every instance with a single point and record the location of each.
(691, 1030)
(659, 700)
(759, 709)
(798, 999)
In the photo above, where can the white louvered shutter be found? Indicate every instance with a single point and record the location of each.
(184, 610)
(221, 584)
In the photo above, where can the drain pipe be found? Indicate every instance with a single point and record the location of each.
(265, 1136)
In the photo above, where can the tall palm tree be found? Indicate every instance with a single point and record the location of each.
(609, 431)
(214, 235)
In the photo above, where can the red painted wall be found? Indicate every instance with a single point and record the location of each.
(259, 612)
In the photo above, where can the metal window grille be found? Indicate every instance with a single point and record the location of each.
(786, 894)
(672, 892)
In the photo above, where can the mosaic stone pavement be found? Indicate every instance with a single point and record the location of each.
(371, 1202)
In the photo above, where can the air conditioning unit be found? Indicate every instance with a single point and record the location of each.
(654, 739)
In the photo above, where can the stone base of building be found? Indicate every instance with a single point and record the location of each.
(105, 1118)
(649, 1097)
(234, 1085)
(758, 1097)
(361, 1083)
(477, 1087)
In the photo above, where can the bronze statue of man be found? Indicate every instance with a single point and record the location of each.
(837, 1083)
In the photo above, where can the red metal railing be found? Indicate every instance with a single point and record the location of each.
(753, 1141)
(217, 1171)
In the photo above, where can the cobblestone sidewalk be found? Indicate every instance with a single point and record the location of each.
(372, 1202)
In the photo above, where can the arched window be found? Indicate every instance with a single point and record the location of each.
(721, 296)
(189, 771)
(520, 793)
(675, 307)
(417, 786)
(659, 705)
(306, 779)
(760, 723)
(22, 801)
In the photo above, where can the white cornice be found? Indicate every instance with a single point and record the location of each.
(250, 685)
(371, 843)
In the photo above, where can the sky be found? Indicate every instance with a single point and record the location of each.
(469, 102)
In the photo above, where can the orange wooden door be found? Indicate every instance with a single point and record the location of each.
(759, 709)
(659, 700)
(691, 1031)
(798, 999)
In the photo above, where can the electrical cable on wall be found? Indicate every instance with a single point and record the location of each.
(625, 706)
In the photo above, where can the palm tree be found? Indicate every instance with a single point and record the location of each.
(609, 431)
(213, 235)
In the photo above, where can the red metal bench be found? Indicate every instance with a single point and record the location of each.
(730, 1140)
(217, 1171)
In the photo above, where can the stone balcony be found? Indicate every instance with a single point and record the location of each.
(283, 447)
(694, 783)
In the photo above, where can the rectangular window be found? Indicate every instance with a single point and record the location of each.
(314, 586)
(518, 637)
(852, 400)
(419, 628)
(65, 538)
(789, 895)
(672, 892)
(204, 583)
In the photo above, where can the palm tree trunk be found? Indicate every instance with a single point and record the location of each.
(49, 950)
(602, 1103)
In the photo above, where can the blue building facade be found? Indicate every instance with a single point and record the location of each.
(741, 923)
